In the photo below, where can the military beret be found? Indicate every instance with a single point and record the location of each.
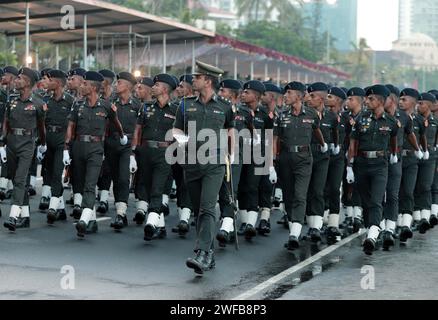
(93, 76)
(338, 92)
(44, 72)
(296, 86)
(107, 73)
(366, 89)
(147, 81)
(255, 85)
(38, 75)
(356, 92)
(425, 96)
(175, 79)
(317, 86)
(11, 70)
(77, 72)
(269, 86)
(378, 89)
(344, 89)
(166, 78)
(231, 84)
(393, 89)
(434, 92)
(204, 68)
(410, 93)
(1, 72)
(188, 78)
(59, 74)
(126, 76)
(31, 74)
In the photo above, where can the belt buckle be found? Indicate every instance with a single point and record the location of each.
(19, 131)
(372, 154)
(295, 149)
(87, 138)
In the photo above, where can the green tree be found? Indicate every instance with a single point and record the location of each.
(251, 8)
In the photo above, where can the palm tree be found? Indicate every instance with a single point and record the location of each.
(289, 13)
(251, 8)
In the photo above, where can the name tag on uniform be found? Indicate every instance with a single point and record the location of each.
(100, 114)
(191, 109)
(326, 125)
(30, 107)
(217, 112)
(308, 121)
(166, 115)
(386, 129)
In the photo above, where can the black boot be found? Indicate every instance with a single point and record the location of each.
(2, 194)
(139, 217)
(62, 215)
(388, 240)
(264, 227)
(357, 224)
(368, 246)
(10, 224)
(223, 238)
(293, 243)
(314, 235)
(241, 230)
(119, 222)
(332, 235)
(203, 261)
(433, 221)
(91, 227)
(81, 228)
(52, 216)
(23, 223)
(405, 234)
(183, 228)
(44, 203)
(165, 209)
(423, 226)
(77, 212)
(31, 191)
(149, 231)
(250, 232)
(102, 208)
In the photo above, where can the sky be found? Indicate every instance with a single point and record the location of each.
(378, 22)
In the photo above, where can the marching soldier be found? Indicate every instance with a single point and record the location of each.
(59, 106)
(374, 135)
(143, 90)
(321, 157)
(24, 117)
(87, 125)
(118, 157)
(204, 180)
(293, 134)
(434, 211)
(154, 121)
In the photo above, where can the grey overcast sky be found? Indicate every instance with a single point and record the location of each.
(378, 22)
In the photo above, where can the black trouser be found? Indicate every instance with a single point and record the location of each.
(407, 186)
(371, 176)
(435, 184)
(248, 193)
(182, 195)
(20, 151)
(227, 210)
(204, 183)
(152, 176)
(333, 185)
(295, 173)
(4, 173)
(117, 158)
(105, 177)
(265, 192)
(390, 210)
(87, 163)
(168, 185)
(423, 188)
(53, 162)
(315, 195)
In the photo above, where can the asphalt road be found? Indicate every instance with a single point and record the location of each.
(110, 265)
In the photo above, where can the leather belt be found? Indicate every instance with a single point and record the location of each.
(408, 153)
(156, 144)
(55, 129)
(117, 135)
(296, 149)
(88, 138)
(22, 132)
(432, 148)
(372, 154)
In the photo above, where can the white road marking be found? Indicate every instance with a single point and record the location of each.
(98, 219)
(286, 273)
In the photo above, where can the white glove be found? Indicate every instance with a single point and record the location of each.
(124, 140)
(324, 148)
(393, 159)
(66, 158)
(336, 150)
(182, 139)
(232, 158)
(41, 152)
(419, 154)
(3, 154)
(426, 155)
(272, 175)
(257, 139)
(132, 164)
(350, 175)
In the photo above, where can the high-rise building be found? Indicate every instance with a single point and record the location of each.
(338, 17)
(418, 16)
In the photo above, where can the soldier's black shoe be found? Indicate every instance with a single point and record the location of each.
(62, 215)
(182, 228)
(241, 230)
(165, 209)
(314, 235)
(172, 194)
(149, 231)
(23, 223)
(276, 203)
(102, 208)
(2, 194)
(433, 220)
(44, 203)
(119, 222)
(91, 227)
(223, 238)
(388, 240)
(31, 191)
(77, 212)
(250, 232)
(203, 261)
(293, 243)
(333, 234)
(52, 216)
(357, 224)
(348, 221)
(81, 228)
(405, 234)
(368, 246)
(10, 224)
(160, 233)
(139, 217)
(423, 226)
(9, 194)
(264, 227)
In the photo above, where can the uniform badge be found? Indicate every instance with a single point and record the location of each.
(29, 107)
(166, 115)
(100, 114)
(234, 108)
(352, 122)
